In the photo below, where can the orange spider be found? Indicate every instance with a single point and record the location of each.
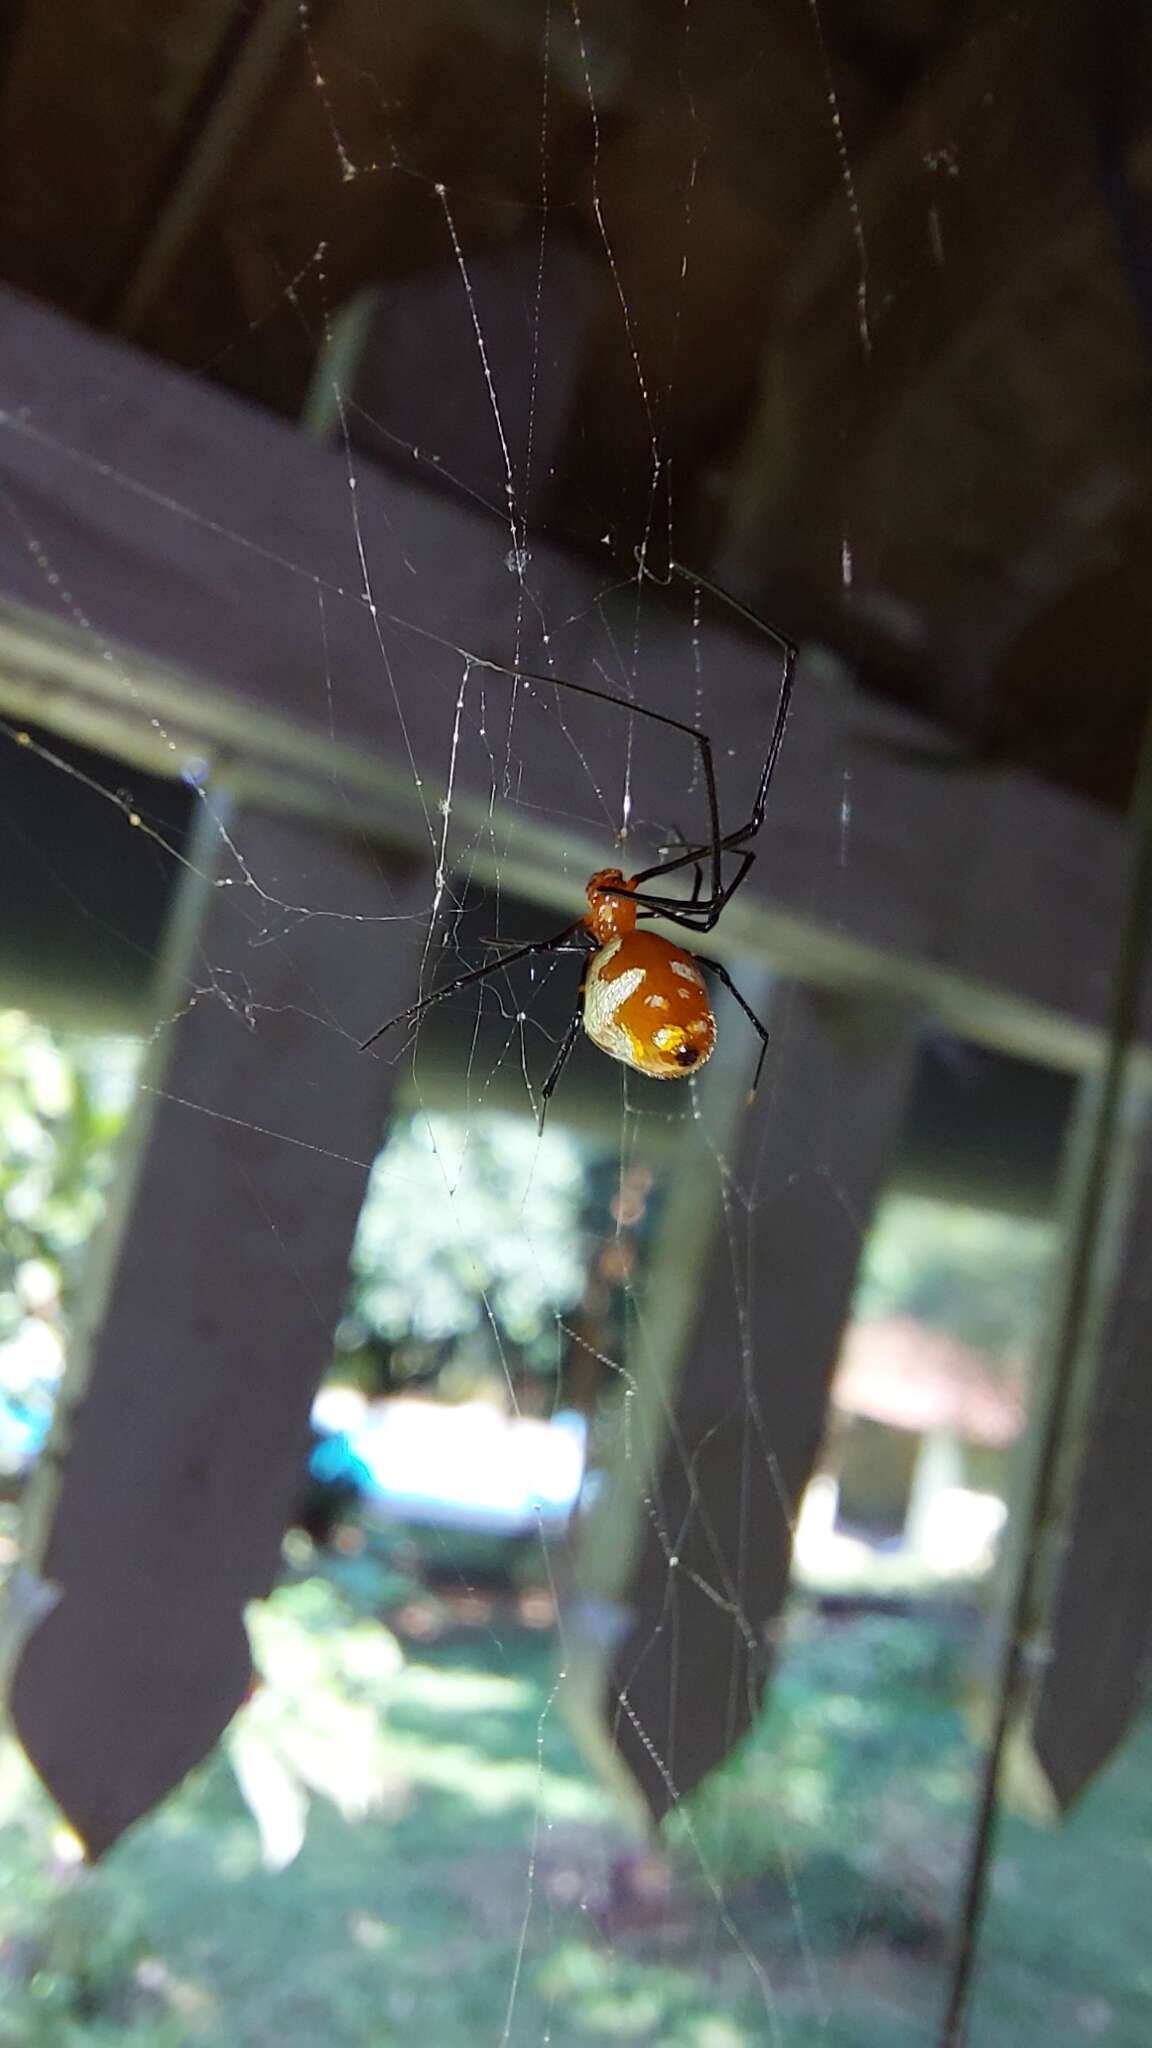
(642, 998)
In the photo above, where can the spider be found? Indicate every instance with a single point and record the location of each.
(641, 998)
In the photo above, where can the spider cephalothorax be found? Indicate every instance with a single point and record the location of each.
(643, 999)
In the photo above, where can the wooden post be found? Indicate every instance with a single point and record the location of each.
(1100, 1630)
(686, 1560)
(159, 1510)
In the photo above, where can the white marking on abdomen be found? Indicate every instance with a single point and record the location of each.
(602, 1000)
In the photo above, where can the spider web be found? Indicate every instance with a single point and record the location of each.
(702, 1956)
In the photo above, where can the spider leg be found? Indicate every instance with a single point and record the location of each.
(733, 841)
(789, 650)
(683, 841)
(566, 1043)
(729, 844)
(709, 907)
(415, 1010)
(699, 739)
(758, 1024)
(692, 857)
(507, 946)
(704, 915)
(561, 1059)
(787, 647)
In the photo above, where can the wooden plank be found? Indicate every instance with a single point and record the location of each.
(182, 574)
(410, 369)
(686, 1560)
(1093, 1675)
(181, 1434)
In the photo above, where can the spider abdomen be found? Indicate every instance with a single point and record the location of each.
(646, 1003)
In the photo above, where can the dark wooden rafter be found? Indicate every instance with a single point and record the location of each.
(953, 430)
(117, 90)
(236, 83)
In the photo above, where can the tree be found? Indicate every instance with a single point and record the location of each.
(471, 1228)
(975, 1273)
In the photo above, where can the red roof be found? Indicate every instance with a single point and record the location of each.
(900, 1372)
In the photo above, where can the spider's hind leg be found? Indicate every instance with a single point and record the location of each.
(757, 1023)
(566, 1046)
(559, 1063)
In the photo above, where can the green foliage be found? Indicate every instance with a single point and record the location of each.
(471, 1228)
(462, 1893)
(854, 1713)
(81, 1970)
(974, 1273)
(62, 1105)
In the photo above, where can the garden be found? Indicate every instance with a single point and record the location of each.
(398, 1836)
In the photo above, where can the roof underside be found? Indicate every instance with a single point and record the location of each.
(853, 322)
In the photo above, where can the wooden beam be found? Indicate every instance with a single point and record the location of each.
(686, 1559)
(159, 1508)
(180, 574)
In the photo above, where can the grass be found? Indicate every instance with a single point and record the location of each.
(457, 1851)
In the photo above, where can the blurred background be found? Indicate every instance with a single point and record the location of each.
(677, 1572)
